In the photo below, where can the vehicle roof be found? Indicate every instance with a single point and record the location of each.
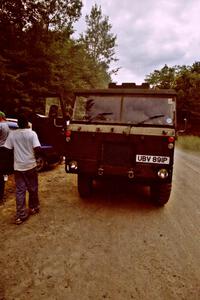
(126, 91)
(12, 123)
(114, 89)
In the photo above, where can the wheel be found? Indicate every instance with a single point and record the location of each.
(41, 163)
(160, 193)
(84, 185)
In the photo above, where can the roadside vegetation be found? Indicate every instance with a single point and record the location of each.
(186, 81)
(189, 143)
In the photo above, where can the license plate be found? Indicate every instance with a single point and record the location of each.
(152, 159)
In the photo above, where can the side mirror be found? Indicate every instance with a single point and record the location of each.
(185, 127)
(59, 122)
(55, 123)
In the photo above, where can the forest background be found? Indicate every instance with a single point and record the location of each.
(39, 55)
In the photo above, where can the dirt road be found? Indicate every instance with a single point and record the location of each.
(113, 246)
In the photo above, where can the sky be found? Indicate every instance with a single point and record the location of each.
(150, 34)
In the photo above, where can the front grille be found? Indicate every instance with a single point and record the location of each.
(116, 154)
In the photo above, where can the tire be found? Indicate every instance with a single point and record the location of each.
(160, 193)
(41, 163)
(84, 185)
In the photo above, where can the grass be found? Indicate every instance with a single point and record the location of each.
(189, 142)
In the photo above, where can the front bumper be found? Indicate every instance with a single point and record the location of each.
(138, 172)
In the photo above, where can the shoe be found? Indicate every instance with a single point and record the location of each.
(19, 221)
(34, 211)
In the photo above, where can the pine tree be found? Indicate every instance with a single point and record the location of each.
(100, 43)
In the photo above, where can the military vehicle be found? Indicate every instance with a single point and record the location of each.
(124, 131)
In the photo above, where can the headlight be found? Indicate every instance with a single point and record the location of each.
(73, 165)
(163, 173)
(170, 145)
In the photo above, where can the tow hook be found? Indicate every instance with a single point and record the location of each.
(130, 174)
(100, 171)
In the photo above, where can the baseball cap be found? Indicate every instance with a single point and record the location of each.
(2, 114)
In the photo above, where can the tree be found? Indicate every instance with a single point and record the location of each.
(38, 54)
(30, 34)
(164, 78)
(54, 14)
(99, 42)
(186, 81)
(50, 14)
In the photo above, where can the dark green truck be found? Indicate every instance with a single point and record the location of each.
(124, 131)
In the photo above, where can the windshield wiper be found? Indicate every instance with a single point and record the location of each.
(150, 118)
(100, 115)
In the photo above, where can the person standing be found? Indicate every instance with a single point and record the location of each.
(4, 131)
(25, 143)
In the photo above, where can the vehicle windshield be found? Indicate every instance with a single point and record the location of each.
(133, 110)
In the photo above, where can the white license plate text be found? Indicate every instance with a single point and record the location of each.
(152, 159)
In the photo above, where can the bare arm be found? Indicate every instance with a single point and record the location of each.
(37, 151)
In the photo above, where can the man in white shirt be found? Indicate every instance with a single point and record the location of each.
(25, 143)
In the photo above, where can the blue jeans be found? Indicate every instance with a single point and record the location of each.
(26, 181)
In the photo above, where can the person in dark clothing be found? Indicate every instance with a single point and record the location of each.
(4, 131)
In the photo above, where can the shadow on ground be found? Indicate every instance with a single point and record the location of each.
(120, 194)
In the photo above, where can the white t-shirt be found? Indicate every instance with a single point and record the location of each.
(23, 141)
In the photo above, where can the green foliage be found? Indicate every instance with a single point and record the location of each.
(186, 81)
(49, 14)
(99, 42)
(38, 55)
(189, 143)
(164, 78)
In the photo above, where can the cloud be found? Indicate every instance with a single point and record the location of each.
(151, 33)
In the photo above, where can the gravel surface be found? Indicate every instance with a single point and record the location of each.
(116, 245)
